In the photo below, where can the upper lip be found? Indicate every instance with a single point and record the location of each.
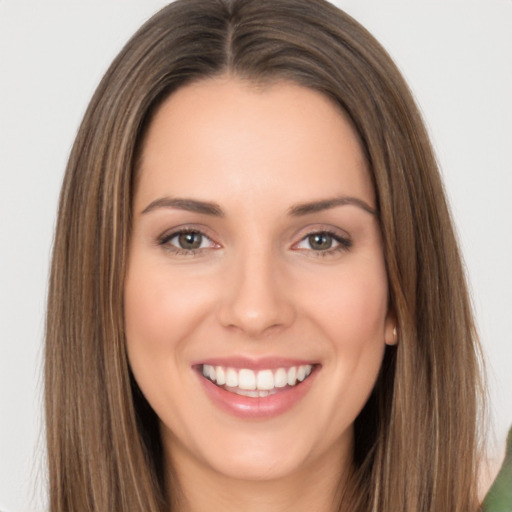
(262, 363)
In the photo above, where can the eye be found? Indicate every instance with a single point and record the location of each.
(191, 240)
(324, 242)
(186, 241)
(320, 241)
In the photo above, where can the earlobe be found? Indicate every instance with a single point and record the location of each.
(391, 333)
(395, 335)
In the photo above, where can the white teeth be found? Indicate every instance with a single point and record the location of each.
(280, 378)
(221, 376)
(256, 384)
(252, 393)
(246, 379)
(231, 378)
(265, 380)
(292, 376)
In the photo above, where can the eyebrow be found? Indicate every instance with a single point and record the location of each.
(326, 204)
(298, 210)
(191, 205)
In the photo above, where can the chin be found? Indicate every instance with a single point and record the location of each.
(264, 464)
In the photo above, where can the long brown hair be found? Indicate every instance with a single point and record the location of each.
(416, 439)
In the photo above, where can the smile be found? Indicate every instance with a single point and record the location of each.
(256, 384)
(256, 390)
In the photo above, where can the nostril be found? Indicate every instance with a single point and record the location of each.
(254, 317)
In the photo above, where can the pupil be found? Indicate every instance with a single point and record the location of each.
(320, 241)
(190, 240)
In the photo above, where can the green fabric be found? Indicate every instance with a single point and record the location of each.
(499, 497)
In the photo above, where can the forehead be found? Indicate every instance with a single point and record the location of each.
(225, 136)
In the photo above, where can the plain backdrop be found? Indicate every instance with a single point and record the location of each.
(457, 57)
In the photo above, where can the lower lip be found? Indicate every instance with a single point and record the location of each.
(261, 407)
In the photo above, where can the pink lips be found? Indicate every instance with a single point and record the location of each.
(281, 400)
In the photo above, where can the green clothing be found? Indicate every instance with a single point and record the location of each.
(499, 497)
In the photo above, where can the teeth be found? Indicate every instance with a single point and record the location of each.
(256, 384)
(292, 375)
(253, 394)
(280, 378)
(220, 376)
(265, 380)
(231, 378)
(246, 379)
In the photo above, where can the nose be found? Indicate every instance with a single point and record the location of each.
(255, 298)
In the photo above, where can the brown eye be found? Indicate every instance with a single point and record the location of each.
(189, 241)
(320, 241)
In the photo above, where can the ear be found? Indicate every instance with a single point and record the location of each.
(391, 329)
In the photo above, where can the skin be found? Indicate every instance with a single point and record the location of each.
(256, 287)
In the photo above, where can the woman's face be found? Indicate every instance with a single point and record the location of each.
(256, 293)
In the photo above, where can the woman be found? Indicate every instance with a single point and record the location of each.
(252, 205)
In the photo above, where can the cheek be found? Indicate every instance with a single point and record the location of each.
(161, 306)
(146, 308)
(352, 314)
(162, 310)
(353, 307)
(149, 310)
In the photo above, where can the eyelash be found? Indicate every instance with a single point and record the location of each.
(343, 243)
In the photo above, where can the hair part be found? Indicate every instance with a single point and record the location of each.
(416, 439)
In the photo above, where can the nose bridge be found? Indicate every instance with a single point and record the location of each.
(254, 300)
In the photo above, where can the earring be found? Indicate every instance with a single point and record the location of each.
(395, 335)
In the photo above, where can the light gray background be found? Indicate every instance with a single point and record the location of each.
(457, 57)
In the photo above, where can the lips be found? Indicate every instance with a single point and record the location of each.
(254, 390)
